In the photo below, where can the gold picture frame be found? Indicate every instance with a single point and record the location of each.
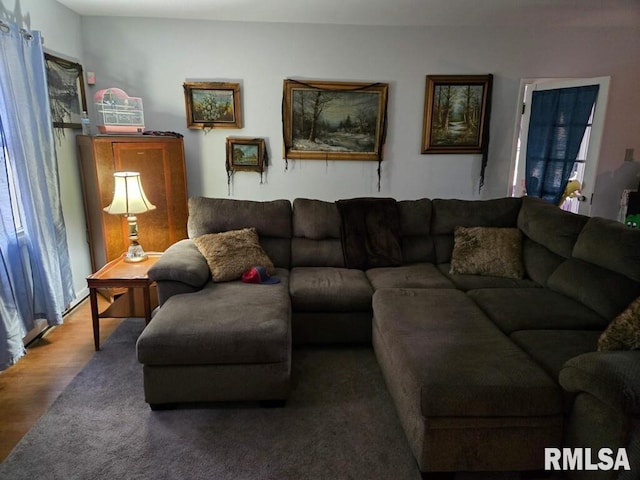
(212, 105)
(326, 120)
(456, 114)
(246, 154)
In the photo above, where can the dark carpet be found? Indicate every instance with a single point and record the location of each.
(339, 423)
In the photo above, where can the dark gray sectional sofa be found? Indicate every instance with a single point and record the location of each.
(485, 371)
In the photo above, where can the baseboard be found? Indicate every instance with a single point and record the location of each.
(41, 324)
(80, 296)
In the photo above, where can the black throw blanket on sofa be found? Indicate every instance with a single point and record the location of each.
(370, 232)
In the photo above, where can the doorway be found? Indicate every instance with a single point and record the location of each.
(583, 175)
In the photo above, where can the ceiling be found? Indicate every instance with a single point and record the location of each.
(518, 13)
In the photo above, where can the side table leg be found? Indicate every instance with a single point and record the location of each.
(94, 317)
(147, 304)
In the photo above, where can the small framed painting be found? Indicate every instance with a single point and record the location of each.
(456, 113)
(212, 105)
(65, 83)
(245, 154)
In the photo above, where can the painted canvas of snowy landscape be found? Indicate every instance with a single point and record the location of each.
(338, 124)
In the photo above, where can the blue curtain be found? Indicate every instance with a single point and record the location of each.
(557, 124)
(35, 269)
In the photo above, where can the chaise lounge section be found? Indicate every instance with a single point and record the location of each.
(486, 370)
(221, 341)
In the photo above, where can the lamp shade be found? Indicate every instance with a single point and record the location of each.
(128, 195)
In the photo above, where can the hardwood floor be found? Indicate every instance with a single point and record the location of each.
(29, 387)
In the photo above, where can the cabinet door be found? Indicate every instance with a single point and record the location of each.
(161, 168)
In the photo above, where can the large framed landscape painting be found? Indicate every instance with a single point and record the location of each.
(212, 105)
(334, 120)
(456, 113)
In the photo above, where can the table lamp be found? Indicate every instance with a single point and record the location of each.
(128, 200)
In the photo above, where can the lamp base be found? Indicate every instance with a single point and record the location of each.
(135, 253)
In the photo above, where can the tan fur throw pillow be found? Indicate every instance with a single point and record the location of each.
(623, 333)
(231, 253)
(487, 251)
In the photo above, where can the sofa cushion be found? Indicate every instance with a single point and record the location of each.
(623, 333)
(271, 219)
(229, 254)
(552, 348)
(611, 245)
(328, 289)
(415, 227)
(224, 323)
(315, 219)
(455, 359)
(316, 234)
(449, 214)
(601, 289)
(539, 262)
(487, 251)
(513, 309)
(306, 252)
(550, 226)
(473, 282)
(417, 275)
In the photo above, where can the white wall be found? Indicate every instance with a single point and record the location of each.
(60, 28)
(151, 58)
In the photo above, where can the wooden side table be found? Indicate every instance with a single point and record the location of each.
(130, 276)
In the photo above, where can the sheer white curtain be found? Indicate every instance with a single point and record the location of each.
(35, 273)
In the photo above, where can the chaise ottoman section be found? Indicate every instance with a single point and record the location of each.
(229, 341)
(467, 397)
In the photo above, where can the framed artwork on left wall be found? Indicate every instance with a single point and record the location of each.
(65, 83)
(212, 105)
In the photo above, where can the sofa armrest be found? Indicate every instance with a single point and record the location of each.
(181, 262)
(612, 377)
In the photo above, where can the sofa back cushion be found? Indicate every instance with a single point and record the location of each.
(611, 245)
(271, 219)
(551, 227)
(449, 214)
(550, 234)
(316, 234)
(415, 229)
(600, 289)
(539, 261)
(604, 269)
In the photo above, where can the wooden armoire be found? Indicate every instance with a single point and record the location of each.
(160, 161)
